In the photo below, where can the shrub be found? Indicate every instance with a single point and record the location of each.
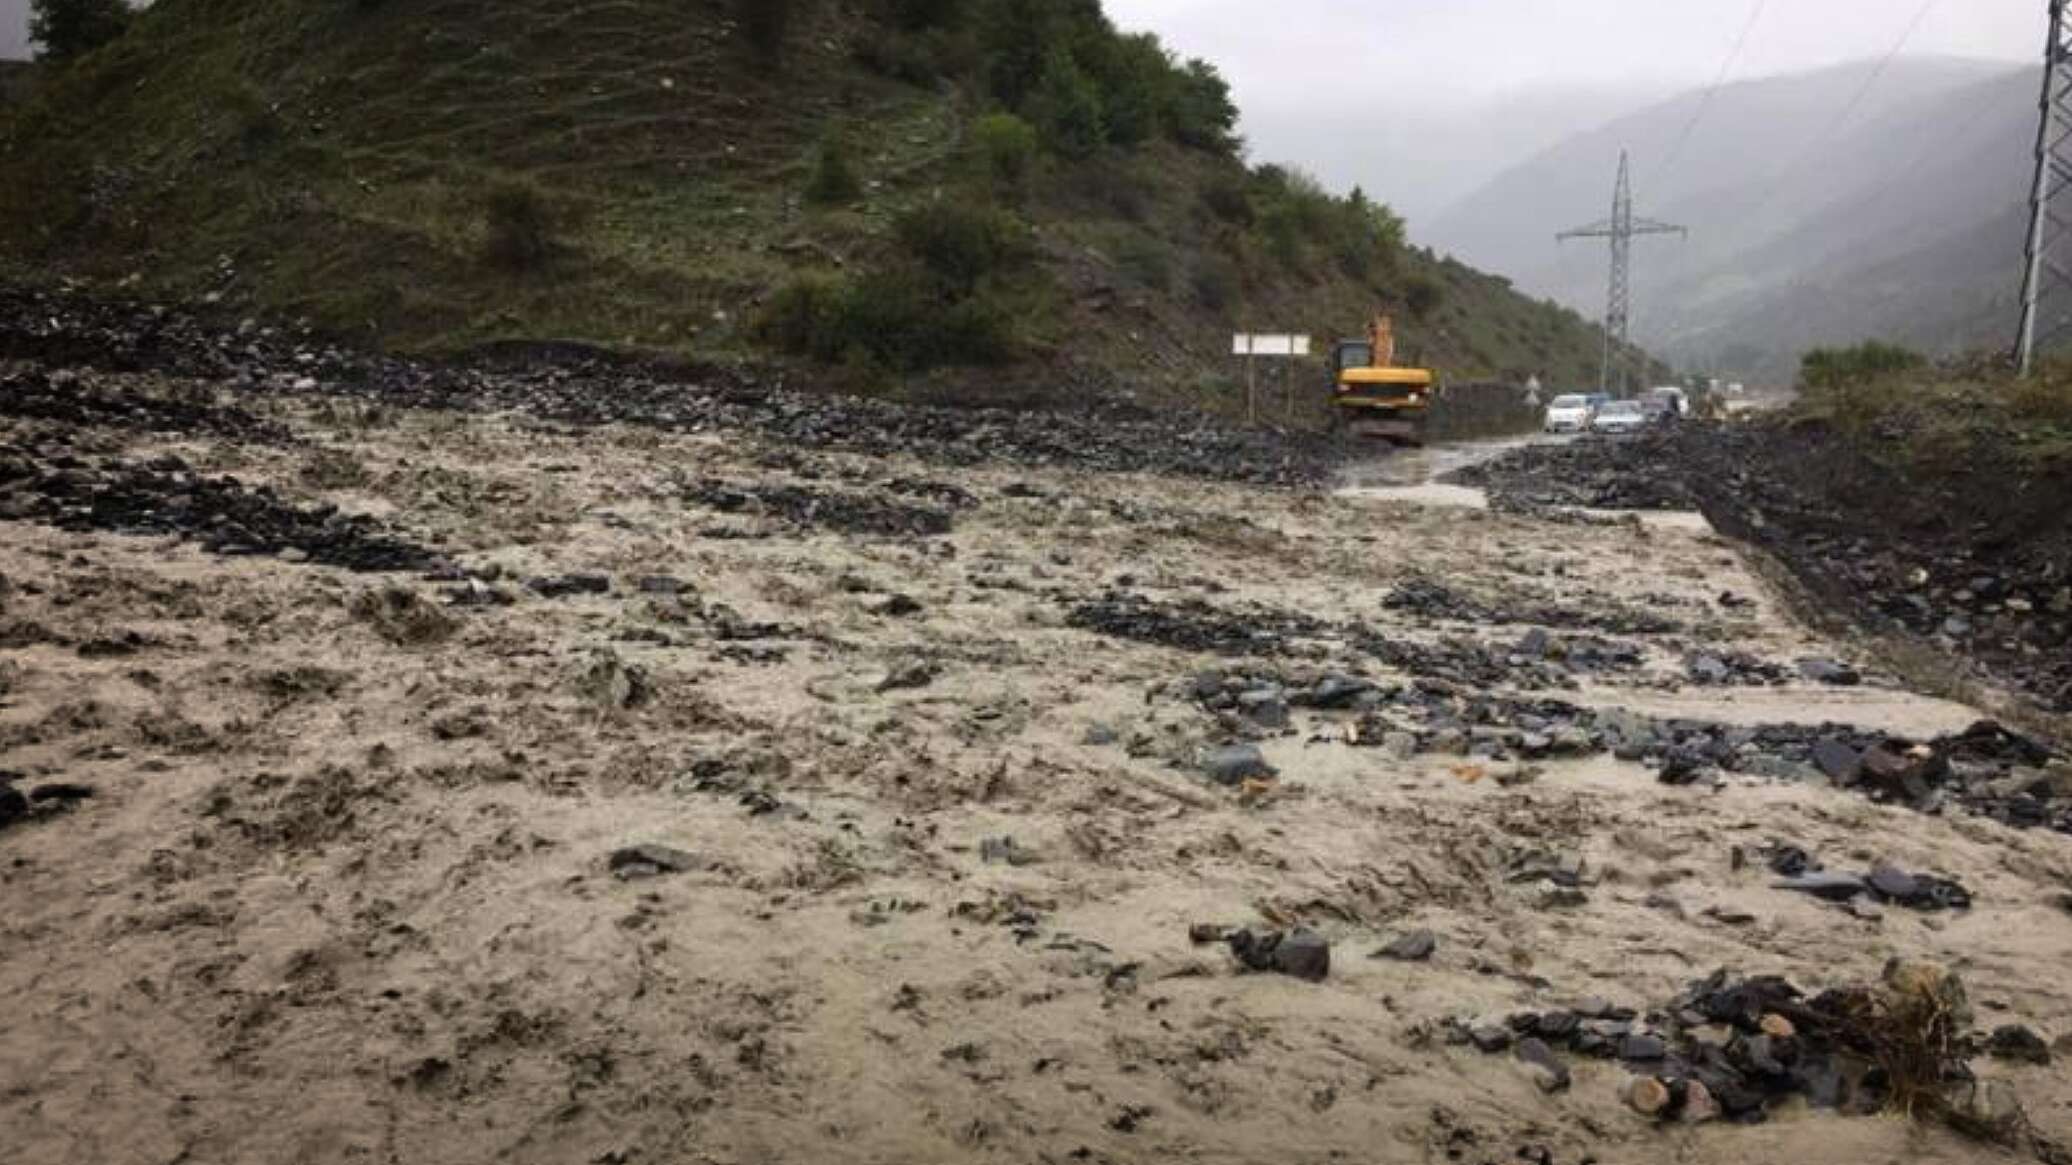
(834, 180)
(962, 244)
(518, 226)
(1228, 201)
(1006, 147)
(1146, 260)
(1216, 283)
(1066, 107)
(1827, 369)
(63, 30)
(1423, 295)
(895, 318)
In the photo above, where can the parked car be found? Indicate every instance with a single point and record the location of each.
(1621, 416)
(1660, 410)
(1568, 414)
(1673, 402)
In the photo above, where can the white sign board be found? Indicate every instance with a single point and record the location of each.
(1246, 345)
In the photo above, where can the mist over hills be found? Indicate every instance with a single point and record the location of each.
(1824, 207)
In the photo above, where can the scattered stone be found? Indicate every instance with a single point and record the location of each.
(1415, 947)
(60, 791)
(1549, 1073)
(895, 607)
(1830, 887)
(1233, 765)
(1648, 1096)
(908, 675)
(1830, 672)
(1005, 851)
(1300, 953)
(398, 615)
(1490, 1038)
(567, 585)
(649, 860)
(614, 684)
(2018, 1043)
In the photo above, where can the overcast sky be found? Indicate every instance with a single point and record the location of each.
(1346, 88)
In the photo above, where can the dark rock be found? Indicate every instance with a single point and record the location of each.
(1300, 953)
(1829, 886)
(1553, 1075)
(909, 675)
(1681, 767)
(896, 607)
(1415, 947)
(1558, 1026)
(1642, 1049)
(60, 791)
(1264, 708)
(13, 805)
(1831, 672)
(2015, 1042)
(1490, 1038)
(649, 860)
(1235, 764)
(570, 584)
(661, 584)
(1842, 763)
(1888, 882)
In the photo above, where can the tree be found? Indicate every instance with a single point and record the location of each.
(63, 30)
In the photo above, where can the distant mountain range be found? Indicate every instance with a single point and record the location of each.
(1825, 207)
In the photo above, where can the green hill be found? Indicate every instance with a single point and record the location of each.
(886, 191)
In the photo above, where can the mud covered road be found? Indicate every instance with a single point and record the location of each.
(394, 782)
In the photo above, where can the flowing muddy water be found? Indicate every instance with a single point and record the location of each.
(346, 886)
(1417, 476)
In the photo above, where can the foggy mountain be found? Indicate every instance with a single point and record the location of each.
(14, 30)
(1820, 212)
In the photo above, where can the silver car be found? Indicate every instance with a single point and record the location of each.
(1620, 416)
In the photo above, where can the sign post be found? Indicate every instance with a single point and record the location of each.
(1252, 346)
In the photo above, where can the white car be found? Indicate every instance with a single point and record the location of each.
(1621, 416)
(1568, 414)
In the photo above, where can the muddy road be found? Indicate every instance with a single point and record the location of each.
(410, 783)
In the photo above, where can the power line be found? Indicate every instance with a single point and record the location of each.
(1863, 90)
(1727, 66)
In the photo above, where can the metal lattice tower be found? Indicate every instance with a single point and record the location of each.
(2047, 280)
(1621, 228)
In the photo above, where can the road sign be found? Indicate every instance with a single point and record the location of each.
(1244, 344)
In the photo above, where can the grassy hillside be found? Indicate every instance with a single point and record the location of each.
(885, 191)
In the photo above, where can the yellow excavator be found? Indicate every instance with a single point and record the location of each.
(1372, 397)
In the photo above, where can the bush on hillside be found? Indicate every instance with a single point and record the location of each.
(63, 30)
(834, 180)
(1066, 108)
(518, 227)
(891, 319)
(1828, 369)
(1423, 295)
(1216, 283)
(961, 245)
(1006, 148)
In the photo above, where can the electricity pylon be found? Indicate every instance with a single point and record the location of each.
(1621, 228)
(2046, 281)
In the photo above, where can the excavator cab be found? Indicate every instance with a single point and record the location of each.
(1371, 396)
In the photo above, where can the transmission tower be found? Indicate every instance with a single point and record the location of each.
(1621, 228)
(2046, 280)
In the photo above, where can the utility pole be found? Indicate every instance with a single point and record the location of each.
(2045, 280)
(1621, 228)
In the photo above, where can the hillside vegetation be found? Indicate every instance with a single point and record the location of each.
(885, 192)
